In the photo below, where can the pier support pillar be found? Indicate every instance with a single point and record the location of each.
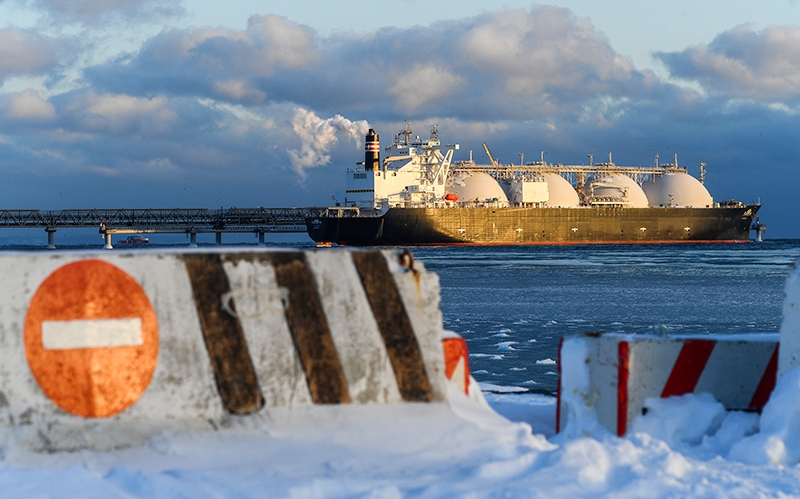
(108, 241)
(193, 239)
(261, 238)
(51, 237)
(219, 238)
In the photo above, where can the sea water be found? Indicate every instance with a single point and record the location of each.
(513, 304)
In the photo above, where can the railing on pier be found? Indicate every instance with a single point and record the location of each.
(165, 220)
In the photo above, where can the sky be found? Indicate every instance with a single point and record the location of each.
(169, 103)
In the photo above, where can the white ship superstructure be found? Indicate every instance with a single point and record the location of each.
(413, 174)
(417, 174)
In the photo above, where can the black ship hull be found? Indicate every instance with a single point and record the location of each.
(506, 226)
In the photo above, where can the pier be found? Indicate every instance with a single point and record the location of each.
(191, 221)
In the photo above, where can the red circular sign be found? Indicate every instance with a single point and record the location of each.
(91, 338)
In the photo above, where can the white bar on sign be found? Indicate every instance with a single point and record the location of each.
(92, 333)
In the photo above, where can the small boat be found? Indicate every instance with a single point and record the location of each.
(134, 240)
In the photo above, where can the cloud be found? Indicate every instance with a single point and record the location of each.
(25, 52)
(217, 116)
(29, 105)
(279, 42)
(744, 64)
(80, 129)
(421, 85)
(538, 51)
(95, 12)
(238, 91)
(318, 135)
(521, 63)
(223, 64)
(544, 61)
(124, 114)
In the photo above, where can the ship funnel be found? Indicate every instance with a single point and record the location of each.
(372, 151)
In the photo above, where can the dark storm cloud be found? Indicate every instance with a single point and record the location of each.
(745, 64)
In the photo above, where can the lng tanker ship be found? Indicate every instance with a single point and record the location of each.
(419, 196)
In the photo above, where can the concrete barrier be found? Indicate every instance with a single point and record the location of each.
(101, 350)
(613, 374)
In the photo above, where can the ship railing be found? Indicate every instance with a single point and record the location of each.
(536, 204)
(608, 201)
(730, 203)
(475, 203)
(539, 168)
(343, 211)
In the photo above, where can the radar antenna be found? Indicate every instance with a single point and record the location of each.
(406, 132)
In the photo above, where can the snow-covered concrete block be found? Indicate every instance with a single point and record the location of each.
(609, 376)
(102, 349)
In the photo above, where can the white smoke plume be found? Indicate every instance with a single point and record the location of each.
(319, 135)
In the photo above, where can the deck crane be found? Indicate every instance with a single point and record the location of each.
(491, 159)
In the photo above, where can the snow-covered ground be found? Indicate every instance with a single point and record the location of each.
(684, 447)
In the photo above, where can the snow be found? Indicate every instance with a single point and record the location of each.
(683, 446)
(778, 442)
(501, 443)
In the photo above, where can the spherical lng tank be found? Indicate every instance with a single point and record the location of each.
(620, 187)
(560, 192)
(679, 190)
(479, 187)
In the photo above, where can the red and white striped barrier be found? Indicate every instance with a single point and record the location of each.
(456, 360)
(625, 369)
(105, 349)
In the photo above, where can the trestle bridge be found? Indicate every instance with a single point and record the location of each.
(191, 221)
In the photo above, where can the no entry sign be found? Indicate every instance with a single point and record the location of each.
(91, 338)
